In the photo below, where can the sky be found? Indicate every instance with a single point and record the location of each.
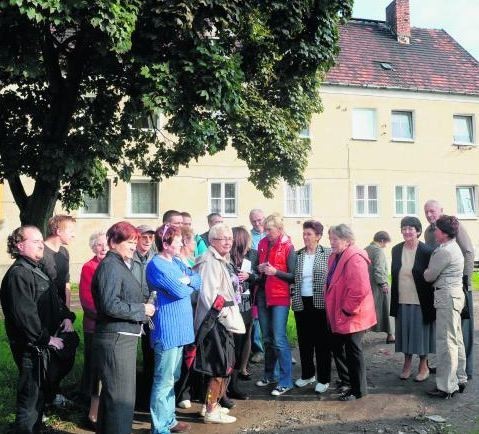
(459, 18)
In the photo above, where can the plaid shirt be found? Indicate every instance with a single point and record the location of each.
(320, 271)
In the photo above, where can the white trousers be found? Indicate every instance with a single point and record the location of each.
(450, 353)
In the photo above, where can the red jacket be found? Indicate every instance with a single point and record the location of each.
(349, 298)
(276, 290)
(86, 299)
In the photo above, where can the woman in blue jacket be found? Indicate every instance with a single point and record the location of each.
(172, 325)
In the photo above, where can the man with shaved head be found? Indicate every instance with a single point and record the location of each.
(433, 210)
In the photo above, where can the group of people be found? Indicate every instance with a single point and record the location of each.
(206, 305)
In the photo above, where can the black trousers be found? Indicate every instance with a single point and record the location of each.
(30, 393)
(314, 342)
(115, 362)
(348, 354)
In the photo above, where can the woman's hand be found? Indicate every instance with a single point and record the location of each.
(269, 270)
(56, 342)
(67, 325)
(242, 276)
(149, 309)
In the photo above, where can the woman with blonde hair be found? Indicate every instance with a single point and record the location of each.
(277, 259)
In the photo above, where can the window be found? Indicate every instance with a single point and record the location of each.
(364, 124)
(463, 129)
(148, 121)
(366, 200)
(98, 206)
(466, 201)
(406, 202)
(223, 198)
(304, 133)
(402, 125)
(143, 198)
(298, 200)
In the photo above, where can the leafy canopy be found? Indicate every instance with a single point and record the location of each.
(76, 76)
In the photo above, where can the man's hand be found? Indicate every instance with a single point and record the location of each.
(67, 325)
(385, 288)
(55, 342)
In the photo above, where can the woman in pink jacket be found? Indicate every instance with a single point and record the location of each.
(349, 308)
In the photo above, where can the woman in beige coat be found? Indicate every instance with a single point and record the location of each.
(218, 280)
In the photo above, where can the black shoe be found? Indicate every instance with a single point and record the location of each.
(436, 393)
(462, 387)
(244, 377)
(227, 403)
(347, 397)
(236, 394)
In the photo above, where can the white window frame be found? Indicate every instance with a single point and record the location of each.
(472, 142)
(83, 213)
(305, 133)
(411, 114)
(404, 188)
(295, 188)
(366, 199)
(473, 214)
(354, 131)
(129, 195)
(222, 198)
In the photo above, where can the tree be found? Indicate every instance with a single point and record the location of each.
(77, 76)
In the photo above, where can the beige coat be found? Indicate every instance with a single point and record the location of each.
(216, 280)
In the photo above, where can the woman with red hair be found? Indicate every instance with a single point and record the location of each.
(121, 310)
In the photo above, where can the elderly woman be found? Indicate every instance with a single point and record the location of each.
(309, 310)
(120, 313)
(172, 328)
(89, 384)
(349, 307)
(445, 270)
(378, 276)
(244, 262)
(412, 299)
(277, 259)
(218, 279)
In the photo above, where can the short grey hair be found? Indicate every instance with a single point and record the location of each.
(342, 231)
(219, 230)
(94, 237)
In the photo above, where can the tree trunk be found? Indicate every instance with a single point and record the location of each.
(37, 208)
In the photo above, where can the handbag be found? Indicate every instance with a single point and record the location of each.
(466, 312)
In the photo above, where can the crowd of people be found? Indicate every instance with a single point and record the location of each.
(205, 306)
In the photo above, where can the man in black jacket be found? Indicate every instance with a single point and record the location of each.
(33, 313)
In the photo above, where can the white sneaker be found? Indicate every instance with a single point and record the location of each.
(301, 383)
(321, 388)
(217, 416)
(61, 401)
(279, 390)
(264, 382)
(184, 404)
(222, 409)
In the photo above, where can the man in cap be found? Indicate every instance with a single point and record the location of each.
(143, 254)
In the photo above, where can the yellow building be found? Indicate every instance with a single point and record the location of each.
(399, 127)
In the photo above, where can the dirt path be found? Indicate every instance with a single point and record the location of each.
(393, 406)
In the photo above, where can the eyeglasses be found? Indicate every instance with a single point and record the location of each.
(224, 239)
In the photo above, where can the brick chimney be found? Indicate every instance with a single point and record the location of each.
(397, 18)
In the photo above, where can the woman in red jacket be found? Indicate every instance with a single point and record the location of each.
(277, 260)
(89, 382)
(349, 308)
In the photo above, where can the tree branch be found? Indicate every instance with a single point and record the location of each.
(18, 191)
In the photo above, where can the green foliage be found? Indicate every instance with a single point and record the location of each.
(77, 76)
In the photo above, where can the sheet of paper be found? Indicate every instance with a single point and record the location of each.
(246, 266)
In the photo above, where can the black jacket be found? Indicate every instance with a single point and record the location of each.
(424, 289)
(33, 311)
(118, 297)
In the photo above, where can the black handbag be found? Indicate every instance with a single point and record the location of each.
(466, 312)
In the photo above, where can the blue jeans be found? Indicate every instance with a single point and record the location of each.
(256, 340)
(273, 322)
(162, 402)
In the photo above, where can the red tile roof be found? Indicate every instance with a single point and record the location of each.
(432, 62)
